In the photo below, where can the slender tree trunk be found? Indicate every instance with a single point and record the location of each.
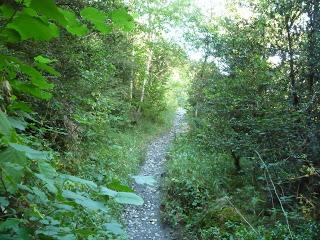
(295, 99)
(147, 75)
(132, 76)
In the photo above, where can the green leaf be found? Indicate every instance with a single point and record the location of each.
(107, 192)
(42, 59)
(73, 25)
(84, 201)
(46, 169)
(40, 195)
(148, 180)
(114, 228)
(121, 19)
(97, 18)
(31, 153)
(49, 9)
(75, 179)
(4, 202)
(12, 174)
(31, 90)
(36, 78)
(6, 11)
(117, 186)
(30, 27)
(56, 232)
(12, 155)
(18, 123)
(49, 182)
(10, 35)
(48, 69)
(5, 126)
(128, 198)
(12, 225)
(18, 105)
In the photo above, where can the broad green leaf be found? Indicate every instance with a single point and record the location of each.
(31, 153)
(114, 228)
(84, 201)
(12, 174)
(10, 35)
(18, 105)
(73, 25)
(97, 18)
(48, 69)
(30, 27)
(148, 180)
(46, 169)
(12, 225)
(5, 126)
(11, 155)
(128, 198)
(6, 11)
(40, 195)
(31, 90)
(49, 9)
(56, 232)
(107, 192)
(121, 19)
(49, 183)
(75, 179)
(36, 78)
(117, 186)
(18, 123)
(42, 59)
(4, 202)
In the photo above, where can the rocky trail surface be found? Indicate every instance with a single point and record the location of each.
(143, 222)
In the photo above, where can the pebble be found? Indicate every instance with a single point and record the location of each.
(144, 222)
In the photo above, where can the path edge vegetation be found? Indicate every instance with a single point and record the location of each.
(48, 157)
(249, 167)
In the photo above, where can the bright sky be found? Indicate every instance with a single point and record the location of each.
(212, 7)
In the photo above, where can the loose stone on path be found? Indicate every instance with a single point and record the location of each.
(143, 222)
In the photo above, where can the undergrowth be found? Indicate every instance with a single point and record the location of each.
(206, 199)
(115, 154)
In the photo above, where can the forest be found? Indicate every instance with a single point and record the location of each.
(160, 119)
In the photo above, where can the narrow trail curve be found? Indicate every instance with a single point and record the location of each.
(143, 222)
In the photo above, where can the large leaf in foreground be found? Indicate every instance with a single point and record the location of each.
(128, 198)
(148, 180)
(97, 18)
(5, 126)
(84, 201)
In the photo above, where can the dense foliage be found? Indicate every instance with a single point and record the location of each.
(82, 84)
(86, 84)
(254, 102)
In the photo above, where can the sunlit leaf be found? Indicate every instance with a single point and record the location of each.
(121, 19)
(97, 18)
(30, 27)
(31, 153)
(114, 228)
(49, 9)
(148, 180)
(73, 25)
(84, 201)
(5, 125)
(128, 198)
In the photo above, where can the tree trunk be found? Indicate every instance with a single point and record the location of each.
(147, 75)
(295, 99)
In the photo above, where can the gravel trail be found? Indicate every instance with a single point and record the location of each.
(143, 222)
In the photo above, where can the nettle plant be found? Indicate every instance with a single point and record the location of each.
(36, 200)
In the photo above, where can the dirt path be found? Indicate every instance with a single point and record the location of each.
(143, 222)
